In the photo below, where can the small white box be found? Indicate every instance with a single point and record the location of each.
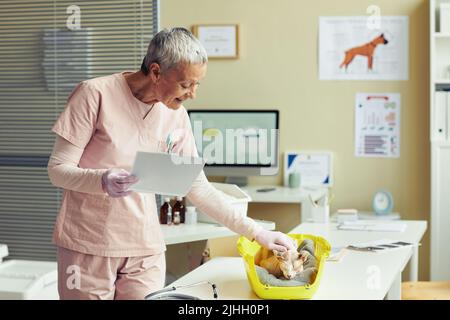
(234, 195)
(445, 17)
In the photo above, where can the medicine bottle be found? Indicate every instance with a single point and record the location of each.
(169, 214)
(179, 206)
(176, 217)
(191, 215)
(165, 213)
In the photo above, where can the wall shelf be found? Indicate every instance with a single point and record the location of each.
(442, 81)
(442, 35)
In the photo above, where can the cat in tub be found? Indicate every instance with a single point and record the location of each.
(288, 268)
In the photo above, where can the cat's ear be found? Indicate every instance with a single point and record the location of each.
(286, 255)
(277, 253)
(303, 255)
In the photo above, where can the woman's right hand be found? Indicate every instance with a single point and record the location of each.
(275, 240)
(116, 182)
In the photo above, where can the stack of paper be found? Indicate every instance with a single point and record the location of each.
(371, 226)
(380, 245)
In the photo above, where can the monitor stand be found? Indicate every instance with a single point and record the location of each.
(240, 181)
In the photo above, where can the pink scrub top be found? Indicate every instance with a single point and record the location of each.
(104, 118)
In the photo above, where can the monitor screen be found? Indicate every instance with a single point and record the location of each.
(236, 138)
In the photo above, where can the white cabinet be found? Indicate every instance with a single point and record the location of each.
(440, 212)
(440, 140)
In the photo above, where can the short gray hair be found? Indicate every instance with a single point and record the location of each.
(169, 47)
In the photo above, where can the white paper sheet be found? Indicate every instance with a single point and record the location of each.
(370, 226)
(167, 174)
(377, 125)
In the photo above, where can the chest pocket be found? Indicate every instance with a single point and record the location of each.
(151, 143)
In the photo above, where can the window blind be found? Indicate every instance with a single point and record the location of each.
(46, 48)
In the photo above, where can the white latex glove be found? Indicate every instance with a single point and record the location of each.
(275, 240)
(116, 182)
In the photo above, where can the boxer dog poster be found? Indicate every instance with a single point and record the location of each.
(352, 49)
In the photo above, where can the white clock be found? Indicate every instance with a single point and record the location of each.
(383, 203)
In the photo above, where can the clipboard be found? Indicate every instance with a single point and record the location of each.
(164, 173)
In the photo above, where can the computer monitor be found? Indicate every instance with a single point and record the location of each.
(237, 143)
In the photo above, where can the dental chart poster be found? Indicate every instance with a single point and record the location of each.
(351, 48)
(377, 125)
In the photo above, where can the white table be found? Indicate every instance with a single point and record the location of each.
(180, 259)
(201, 231)
(359, 275)
(413, 233)
(302, 196)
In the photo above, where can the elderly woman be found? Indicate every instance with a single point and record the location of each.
(109, 241)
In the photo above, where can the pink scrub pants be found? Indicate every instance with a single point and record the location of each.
(83, 276)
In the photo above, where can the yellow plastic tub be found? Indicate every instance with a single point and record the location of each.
(249, 250)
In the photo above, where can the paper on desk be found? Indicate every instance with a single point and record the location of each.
(380, 245)
(370, 226)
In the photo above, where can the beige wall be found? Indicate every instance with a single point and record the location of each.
(278, 67)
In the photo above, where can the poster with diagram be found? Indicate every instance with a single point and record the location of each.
(350, 48)
(377, 125)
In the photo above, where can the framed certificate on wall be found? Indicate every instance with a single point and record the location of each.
(220, 41)
(315, 167)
